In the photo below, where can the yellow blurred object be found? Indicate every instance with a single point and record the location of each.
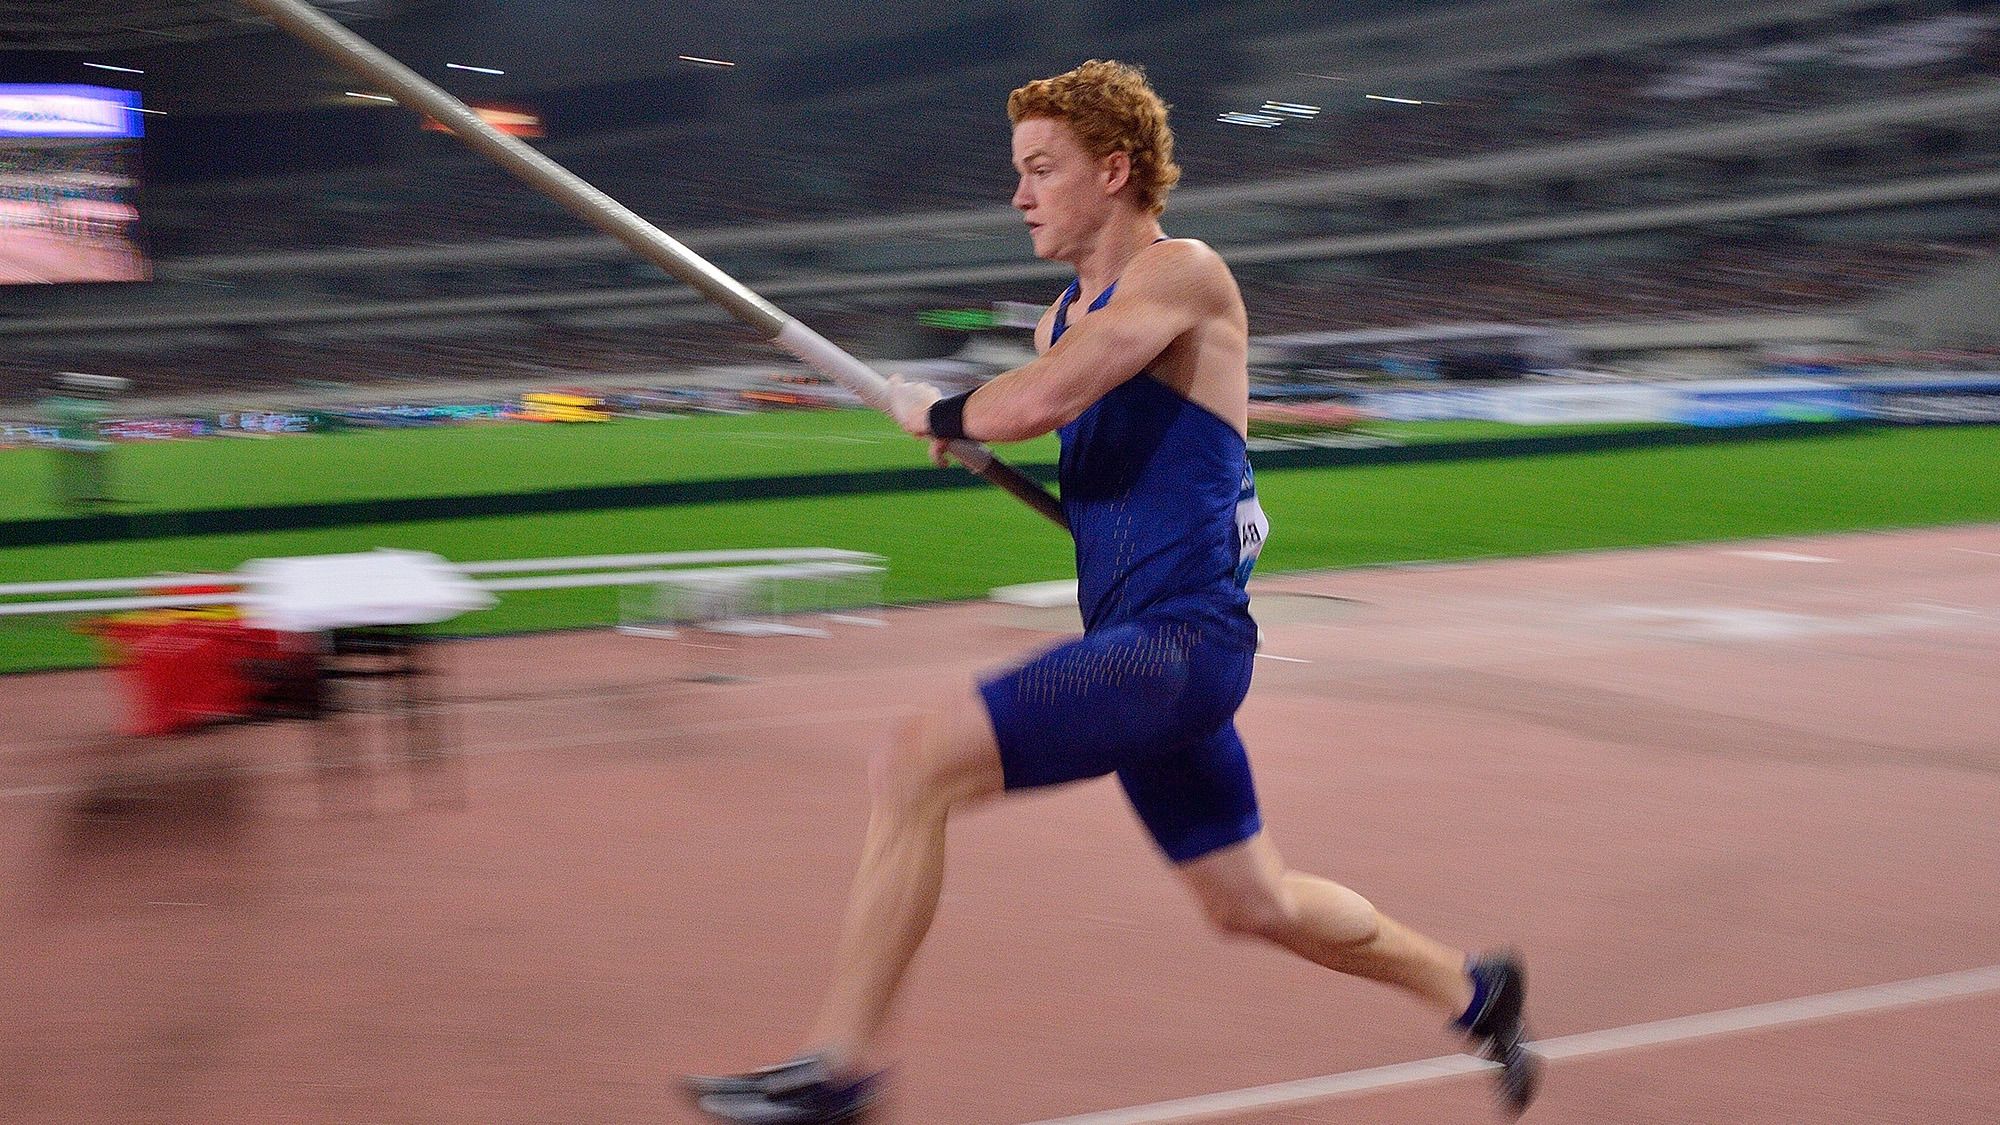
(557, 406)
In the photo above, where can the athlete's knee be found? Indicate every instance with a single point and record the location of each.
(904, 774)
(929, 767)
(1264, 913)
(1335, 913)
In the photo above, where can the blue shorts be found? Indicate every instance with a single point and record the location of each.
(1154, 701)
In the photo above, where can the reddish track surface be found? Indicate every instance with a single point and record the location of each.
(1682, 780)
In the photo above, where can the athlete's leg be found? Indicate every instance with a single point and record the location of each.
(1199, 801)
(1076, 711)
(943, 761)
(1246, 890)
(1195, 803)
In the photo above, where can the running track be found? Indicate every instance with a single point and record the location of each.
(1750, 789)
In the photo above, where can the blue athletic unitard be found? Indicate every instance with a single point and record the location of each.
(1159, 496)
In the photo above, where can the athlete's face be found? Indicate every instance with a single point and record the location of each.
(1065, 193)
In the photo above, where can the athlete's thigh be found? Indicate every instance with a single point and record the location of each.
(1196, 798)
(1092, 705)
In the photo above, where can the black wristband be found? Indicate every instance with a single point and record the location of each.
(947, 418)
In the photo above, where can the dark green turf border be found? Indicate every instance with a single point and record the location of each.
(114, 527)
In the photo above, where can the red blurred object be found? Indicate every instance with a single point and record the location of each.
(184, 669)
(510, 119)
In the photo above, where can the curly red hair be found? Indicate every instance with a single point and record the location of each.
(1111, 108)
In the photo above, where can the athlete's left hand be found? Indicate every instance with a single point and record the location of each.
(910, 404)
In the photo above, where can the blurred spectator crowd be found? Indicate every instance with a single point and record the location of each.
(1720, 275)
(924, 146)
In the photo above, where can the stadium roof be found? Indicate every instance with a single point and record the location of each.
(116, 25)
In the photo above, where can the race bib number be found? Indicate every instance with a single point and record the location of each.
(1253, 527)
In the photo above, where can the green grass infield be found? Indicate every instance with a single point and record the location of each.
(957, 544)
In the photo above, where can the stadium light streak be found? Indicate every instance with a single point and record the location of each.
(119, 69)
(1292, 109)
(370, 97)
(473, 69)
(705, 62)
(154, 112)
(1260, 120)
(1328, 77)
(1398, 101)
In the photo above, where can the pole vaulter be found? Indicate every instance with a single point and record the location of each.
(330, 38)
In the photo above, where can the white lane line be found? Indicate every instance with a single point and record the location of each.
(1781, 556)
(1976, 551)
(1778, 1013)
(1830, 1005)
(1286, 659)
(1281, 1093)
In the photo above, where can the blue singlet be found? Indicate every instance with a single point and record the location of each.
(1160, 499)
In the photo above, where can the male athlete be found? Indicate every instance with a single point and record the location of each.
(1143, 370)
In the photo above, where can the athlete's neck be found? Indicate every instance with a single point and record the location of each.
(1106, 256)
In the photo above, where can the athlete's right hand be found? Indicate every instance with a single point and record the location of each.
(910, 405)
(941, 453)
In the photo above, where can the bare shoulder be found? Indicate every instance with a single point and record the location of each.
(1182, 255)
(1183, 269)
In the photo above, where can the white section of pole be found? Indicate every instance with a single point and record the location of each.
(327, 36)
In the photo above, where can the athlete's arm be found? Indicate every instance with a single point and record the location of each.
(915, 410)
(1166, 291)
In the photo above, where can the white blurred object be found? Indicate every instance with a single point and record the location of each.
(1037, 595)
(313, 593)
(83, 381)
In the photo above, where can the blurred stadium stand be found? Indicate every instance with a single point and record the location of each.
(1594, 164)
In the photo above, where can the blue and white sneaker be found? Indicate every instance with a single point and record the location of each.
(804, 1091)
(1498, 1029)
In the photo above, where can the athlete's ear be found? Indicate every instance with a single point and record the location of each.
(1116, 169)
